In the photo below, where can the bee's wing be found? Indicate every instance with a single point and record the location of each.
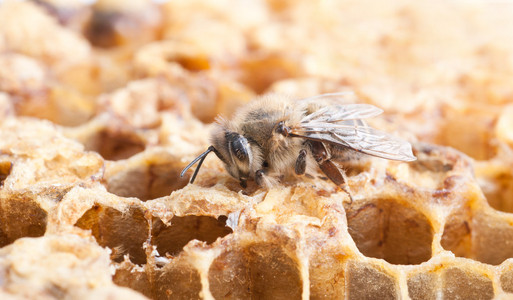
(342, 125)
(340, 112)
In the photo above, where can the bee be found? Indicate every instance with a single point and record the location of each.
(274, 135)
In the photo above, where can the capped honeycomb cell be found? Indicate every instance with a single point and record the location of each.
(261, 267)
(230, 266)
(422, 286)
(178, 280)
(359, 275)
(507, 281)
(459, 284)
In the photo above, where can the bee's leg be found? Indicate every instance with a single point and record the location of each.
(320, 154)
(322, 158)
(301, 163)
(259, 177)
(263, 179)
(300, 167)
(335, 175)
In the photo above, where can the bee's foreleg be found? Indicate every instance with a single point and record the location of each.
(322, 158)
(300, 167)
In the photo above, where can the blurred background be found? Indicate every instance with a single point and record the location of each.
(442, 70)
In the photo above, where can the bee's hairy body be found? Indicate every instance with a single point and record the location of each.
(275, 136)
(273, 153)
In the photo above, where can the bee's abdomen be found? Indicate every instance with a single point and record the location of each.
(341, 153)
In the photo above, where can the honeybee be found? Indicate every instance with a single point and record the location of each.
(274, 135)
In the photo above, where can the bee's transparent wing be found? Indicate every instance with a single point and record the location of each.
(342, 125)
(338, 113)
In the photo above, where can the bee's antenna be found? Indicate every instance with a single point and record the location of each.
(201, 158)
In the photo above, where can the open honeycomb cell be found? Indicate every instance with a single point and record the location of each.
(146, 176)
(397, 234)
(103, 104)
(172, 239)
(21, 217)
(124, 232)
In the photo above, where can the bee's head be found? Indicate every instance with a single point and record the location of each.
(240, 156)
(236, 153)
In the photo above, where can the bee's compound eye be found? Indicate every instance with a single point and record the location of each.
(239, 146)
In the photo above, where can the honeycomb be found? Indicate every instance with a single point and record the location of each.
(103, 104)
